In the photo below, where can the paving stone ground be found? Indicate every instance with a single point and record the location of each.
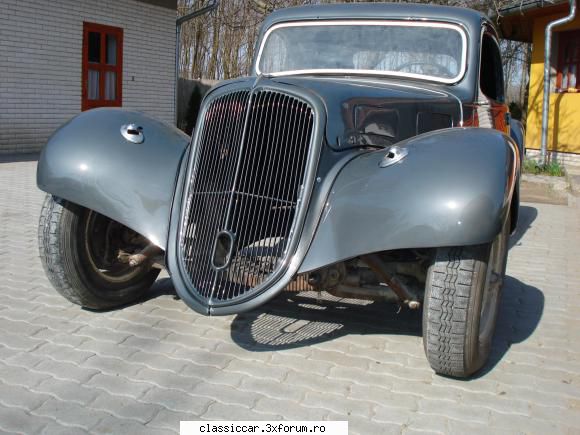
(143, 368)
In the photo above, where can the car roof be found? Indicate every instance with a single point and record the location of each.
(400, 11)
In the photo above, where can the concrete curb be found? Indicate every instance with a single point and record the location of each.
(559, 184)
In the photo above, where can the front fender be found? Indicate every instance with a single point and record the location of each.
(453, 188)
(88, 162)
(518, 134)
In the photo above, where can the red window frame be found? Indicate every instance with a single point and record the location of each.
(102, 66)
(568, 39)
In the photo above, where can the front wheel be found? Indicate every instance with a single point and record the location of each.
(462, 296)
(81, 252)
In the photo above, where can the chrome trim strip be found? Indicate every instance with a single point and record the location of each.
(432, 24)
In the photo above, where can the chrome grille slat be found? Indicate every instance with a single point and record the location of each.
(289, 165)
(248, 165)
(253, 129)
(205, 240)
(202, 236)
(277, 151)
(232, 162)
(268, 258)
(252, 184)
(224, 182)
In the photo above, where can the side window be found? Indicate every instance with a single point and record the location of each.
(491, 72)
(102, 73)
(569, 61)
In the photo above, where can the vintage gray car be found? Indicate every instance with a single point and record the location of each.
(370, 154)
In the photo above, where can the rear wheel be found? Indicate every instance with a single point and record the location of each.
(462, 297)
(81, 252)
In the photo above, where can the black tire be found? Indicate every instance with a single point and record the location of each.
(462, 296)
(65, 236)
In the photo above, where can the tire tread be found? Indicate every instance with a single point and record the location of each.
(56, 232)
(453, 275)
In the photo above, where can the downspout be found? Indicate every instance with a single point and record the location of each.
(212, 4)
(547, 71)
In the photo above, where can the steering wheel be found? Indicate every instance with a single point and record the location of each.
(439, 68)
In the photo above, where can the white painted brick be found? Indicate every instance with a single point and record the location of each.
(41, 55)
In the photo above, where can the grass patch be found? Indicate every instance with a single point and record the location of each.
(553, 169)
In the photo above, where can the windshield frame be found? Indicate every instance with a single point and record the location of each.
(383, 22)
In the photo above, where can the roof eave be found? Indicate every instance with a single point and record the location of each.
(168, 4)
(521, 7)
(516, 22)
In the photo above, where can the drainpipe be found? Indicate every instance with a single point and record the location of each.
(212, 4)
(547, 70)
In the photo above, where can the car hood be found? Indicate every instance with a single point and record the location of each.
(371, 112)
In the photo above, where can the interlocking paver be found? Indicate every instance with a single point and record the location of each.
(290, 410)
(15, 396)
(15, 420)
(113, 425)
(216, 411)
(69, 413)
(143, 368)
(67, 391)
(177, 401)
(169, 420)
(58, 429)
(22, 376)
(165, 379)
(125, 407)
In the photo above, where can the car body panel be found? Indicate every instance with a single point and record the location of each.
(88, 162)
(453, 189)
(396, 110)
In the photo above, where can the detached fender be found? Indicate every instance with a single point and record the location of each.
(88, 162)
(454, 188)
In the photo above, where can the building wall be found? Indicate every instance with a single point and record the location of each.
(564, 108)
(41, 62)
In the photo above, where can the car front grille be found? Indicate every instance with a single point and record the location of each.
(247, 185)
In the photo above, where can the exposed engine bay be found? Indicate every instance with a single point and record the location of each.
(395, 277)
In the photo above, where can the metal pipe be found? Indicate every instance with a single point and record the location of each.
(547, 71)
(213, 4)
(405, 295)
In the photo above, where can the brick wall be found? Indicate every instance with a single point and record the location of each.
(40, 63)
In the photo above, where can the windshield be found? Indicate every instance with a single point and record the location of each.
(431, 51)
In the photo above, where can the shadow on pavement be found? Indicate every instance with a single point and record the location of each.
(525, 220)
(296, 320)
(300, 319)
(162, 287)
(520, 313)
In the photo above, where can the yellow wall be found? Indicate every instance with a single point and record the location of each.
(564, 131)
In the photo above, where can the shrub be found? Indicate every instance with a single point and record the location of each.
(553, 169)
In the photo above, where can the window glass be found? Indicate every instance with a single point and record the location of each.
(569, 61)
(491, 72)
(94, 47)
(110, 85)
(111, 50)
(93, 85)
